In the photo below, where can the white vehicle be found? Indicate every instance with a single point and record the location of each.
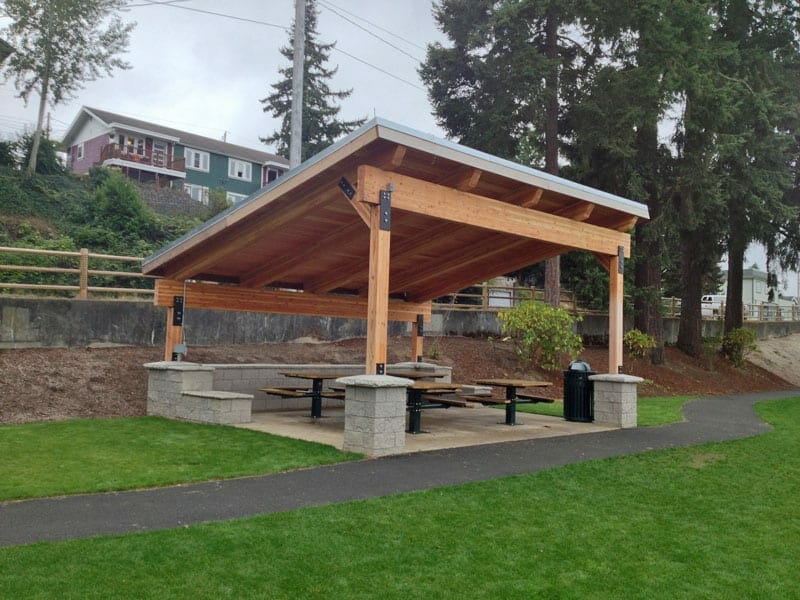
(712, 305)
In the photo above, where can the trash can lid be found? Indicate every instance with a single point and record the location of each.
(579, 365)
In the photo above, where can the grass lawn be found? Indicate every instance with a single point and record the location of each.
(712, 521)
(67, 457)
(650, 411)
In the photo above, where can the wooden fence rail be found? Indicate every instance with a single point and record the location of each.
(82, 271)
(498, 297)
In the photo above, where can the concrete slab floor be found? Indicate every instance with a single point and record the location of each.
(444, 428)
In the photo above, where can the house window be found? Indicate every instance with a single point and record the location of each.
(197, 192)
(235, 197)
(239, 169)
(273, 174)
(159, 153)
(131, 145)
(80, 151)
(197, 160)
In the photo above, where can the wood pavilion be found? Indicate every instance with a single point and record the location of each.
(381, 223)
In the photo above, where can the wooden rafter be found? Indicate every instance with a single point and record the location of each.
(580, 211)
(278, 269)
(513, 259)
(526, 196)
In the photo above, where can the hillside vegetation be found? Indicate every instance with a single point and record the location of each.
(63, 211)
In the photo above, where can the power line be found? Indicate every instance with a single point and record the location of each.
(375, 35)
(234, 17)
(209, 12)
(393, 34)
(384, 71)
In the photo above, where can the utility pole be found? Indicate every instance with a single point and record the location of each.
(296, 142)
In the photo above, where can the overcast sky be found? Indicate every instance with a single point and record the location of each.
(205, 73)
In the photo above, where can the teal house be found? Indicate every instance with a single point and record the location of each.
(149, 152)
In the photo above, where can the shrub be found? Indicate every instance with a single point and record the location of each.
(638, 343)
(738, 344)
(541, 333)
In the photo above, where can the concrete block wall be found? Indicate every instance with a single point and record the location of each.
(185, 391)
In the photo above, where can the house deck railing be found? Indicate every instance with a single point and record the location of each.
(149, 159)
(671, 307)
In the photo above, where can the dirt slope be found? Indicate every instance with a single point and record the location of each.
(47, 384)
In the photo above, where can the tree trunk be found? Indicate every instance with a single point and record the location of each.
(736, 248)
(649, 250)
(37, 135)
(552, 266)
(690, 332)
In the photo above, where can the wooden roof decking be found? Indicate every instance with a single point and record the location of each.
(458, 217)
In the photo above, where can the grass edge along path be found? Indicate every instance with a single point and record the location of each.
(713, 520)
(651, 411)
(97, 455)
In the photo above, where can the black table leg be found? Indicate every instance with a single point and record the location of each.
(414, 411)
(316, 399)
(511, 407)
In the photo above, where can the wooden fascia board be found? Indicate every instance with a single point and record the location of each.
(237, 298)
(430, 199)
(246, 210)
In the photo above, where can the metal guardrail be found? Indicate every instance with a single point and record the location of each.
(82, 289)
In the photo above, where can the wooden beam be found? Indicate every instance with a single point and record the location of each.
(417, 340)
(440, 202)
(361, 209)
(615, 322)
(378, 294)
(277, 269)
(532, 199)
(399, 156)
(173, 334)
(580, 211)
(235, 298)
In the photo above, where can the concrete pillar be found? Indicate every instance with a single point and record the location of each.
(375, 414)
(615, 399)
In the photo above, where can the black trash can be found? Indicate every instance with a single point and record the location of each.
(578, 392)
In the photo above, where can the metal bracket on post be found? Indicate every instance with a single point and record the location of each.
(347, 188)
(420, 325)
(621, 260)
(380, 368)
(386, 208)
(177, 311)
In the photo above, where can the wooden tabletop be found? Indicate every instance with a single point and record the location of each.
(316, 374)
(514, 382)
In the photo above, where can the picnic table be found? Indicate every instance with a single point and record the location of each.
(415, 393)
(316, 393)
(512, 397)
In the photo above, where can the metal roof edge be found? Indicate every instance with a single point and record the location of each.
(395, 132)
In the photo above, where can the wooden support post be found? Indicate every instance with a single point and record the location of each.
(417, 339)
(615, 325)
(174, 335)
(378, 294)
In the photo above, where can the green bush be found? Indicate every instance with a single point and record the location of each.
(638, 343)
(738, 344)
(541, 334)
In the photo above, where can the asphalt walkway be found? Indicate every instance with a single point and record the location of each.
(711, 419)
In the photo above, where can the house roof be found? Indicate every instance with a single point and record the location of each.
(185, 138)
(458, 217)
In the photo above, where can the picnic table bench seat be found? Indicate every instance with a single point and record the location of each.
(285, 392)
(533, 398)
(459, 401)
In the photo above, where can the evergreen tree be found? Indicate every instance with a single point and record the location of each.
(321, 125)
(498, 88)
(59, 45)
